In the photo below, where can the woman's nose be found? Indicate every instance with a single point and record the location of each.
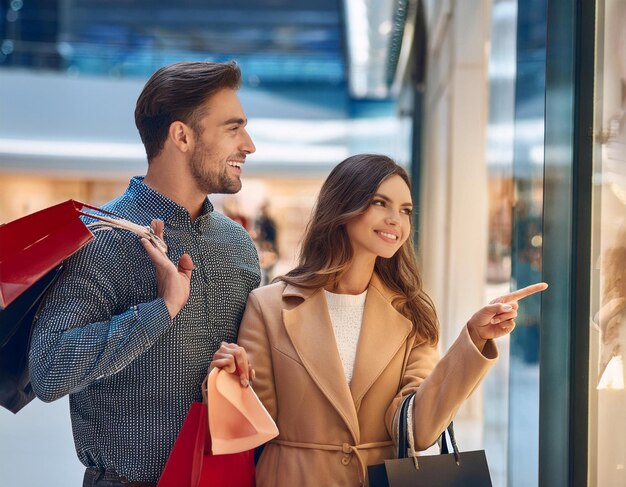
(392, 219)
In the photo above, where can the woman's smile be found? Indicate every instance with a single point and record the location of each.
(387, 236)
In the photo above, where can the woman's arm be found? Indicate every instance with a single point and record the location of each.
(253, 337)
(250, 357)
(440, 391)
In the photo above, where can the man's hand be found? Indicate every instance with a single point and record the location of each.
(172, 283)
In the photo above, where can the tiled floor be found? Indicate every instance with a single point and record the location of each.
(36, 447)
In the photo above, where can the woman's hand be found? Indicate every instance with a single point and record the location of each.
(498, 317)
(233, 359)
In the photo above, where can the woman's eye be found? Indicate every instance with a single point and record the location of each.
(407, 211)
(378, 203)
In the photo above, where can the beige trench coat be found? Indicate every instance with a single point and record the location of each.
(331, 430)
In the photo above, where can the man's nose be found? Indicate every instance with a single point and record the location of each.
(248, 146)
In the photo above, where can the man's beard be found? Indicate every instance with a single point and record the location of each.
(211, 182)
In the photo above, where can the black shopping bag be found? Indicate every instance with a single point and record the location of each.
(15, 331)
(454, 469)
(439, 470)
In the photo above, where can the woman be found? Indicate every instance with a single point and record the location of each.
(339, 341)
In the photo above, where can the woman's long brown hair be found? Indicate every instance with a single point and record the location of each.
(326, 251)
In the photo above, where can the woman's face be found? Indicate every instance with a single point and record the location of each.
(386, 224)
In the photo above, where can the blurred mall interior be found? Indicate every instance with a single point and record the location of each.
(508, 114)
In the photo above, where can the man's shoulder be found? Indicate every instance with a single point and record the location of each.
(126, 206)
(119, 203)
(222, 219)
(231, 230)
(129, 207)
(112, 243)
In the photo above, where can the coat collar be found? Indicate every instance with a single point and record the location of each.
(383, 332)
(291, 290)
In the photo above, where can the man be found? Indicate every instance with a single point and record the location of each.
(127, 334)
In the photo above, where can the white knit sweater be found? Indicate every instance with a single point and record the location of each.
(346, 315)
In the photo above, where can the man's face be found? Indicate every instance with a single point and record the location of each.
(221, 144)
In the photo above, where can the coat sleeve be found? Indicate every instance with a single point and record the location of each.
(253, 337)
(440, 386)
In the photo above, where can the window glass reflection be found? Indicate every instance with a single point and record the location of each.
(607, 398)
(527, 232)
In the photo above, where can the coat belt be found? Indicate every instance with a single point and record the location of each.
(346, 448)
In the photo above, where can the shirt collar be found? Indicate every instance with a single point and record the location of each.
(164, 208)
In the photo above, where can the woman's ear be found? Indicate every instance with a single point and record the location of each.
(181, 136)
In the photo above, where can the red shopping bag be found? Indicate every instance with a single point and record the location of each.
(191, 463)
(31, 251)
(32, 246)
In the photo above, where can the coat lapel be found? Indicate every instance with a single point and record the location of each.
(310, 330)
(383, 332)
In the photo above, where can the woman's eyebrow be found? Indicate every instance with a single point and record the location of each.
(386, 198)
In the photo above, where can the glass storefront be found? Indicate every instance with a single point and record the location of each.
(559, 418)
(499, 158)
(526, 243)
(607, 396)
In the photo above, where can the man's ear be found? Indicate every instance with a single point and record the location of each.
(181, 136)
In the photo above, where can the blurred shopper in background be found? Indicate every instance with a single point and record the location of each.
(125, 332)
(341, 340)
(232, 209)
(266, 238)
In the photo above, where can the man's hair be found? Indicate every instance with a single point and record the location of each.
(176, 93)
